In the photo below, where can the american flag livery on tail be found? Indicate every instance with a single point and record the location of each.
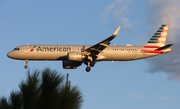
(156, 44)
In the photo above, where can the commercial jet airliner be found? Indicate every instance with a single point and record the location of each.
(73, 56)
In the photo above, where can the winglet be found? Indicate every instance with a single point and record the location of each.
(117, 31)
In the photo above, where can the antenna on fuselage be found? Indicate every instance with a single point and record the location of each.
(83, 48)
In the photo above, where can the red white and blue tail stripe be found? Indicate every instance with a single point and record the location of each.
(158, 40)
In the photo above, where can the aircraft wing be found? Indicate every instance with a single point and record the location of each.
(99, 47)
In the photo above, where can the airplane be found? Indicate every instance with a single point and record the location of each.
(72, 56)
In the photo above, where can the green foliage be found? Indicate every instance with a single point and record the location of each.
(16, 100)
(45, 91)
(4, 104)
(70, 98)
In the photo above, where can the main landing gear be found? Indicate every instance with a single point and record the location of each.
(88, 68)
(26, 66)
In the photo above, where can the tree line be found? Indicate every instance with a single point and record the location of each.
(44, 89)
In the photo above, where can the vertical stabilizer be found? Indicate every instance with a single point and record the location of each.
(159, 38)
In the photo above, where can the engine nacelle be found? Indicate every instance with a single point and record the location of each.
(70, 64)
(75, 56)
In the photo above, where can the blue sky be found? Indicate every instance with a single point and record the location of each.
(144, 84)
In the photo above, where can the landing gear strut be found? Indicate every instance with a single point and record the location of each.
(26, 66)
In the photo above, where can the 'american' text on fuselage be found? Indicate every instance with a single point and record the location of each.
(53, 49)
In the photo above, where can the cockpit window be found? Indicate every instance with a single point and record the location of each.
(16, 49)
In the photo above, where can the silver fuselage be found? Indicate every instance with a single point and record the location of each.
(59, 52)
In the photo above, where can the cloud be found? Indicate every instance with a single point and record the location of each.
(134, 95)
(158, 12)
(118, 10)
(166, 12)
(164, 98)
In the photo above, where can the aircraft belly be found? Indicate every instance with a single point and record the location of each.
(45, 56)
(142, 56)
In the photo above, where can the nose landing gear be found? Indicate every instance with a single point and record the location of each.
(26, 66)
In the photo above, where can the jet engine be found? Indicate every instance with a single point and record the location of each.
(75, 56)
(70, 64)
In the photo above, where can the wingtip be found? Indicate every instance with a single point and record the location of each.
(117, 31)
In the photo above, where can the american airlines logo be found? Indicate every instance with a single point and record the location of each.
(32, 49)
(52, 49)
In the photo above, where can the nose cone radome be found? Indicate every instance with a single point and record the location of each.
(10, 54)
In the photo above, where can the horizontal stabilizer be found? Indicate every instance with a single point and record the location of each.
(164, 47)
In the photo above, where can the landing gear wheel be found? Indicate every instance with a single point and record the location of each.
(88, 69)
(26, 66)
(92, 64)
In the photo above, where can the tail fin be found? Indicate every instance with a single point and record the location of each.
(159, 38)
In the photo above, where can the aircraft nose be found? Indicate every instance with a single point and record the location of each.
(9, 54)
